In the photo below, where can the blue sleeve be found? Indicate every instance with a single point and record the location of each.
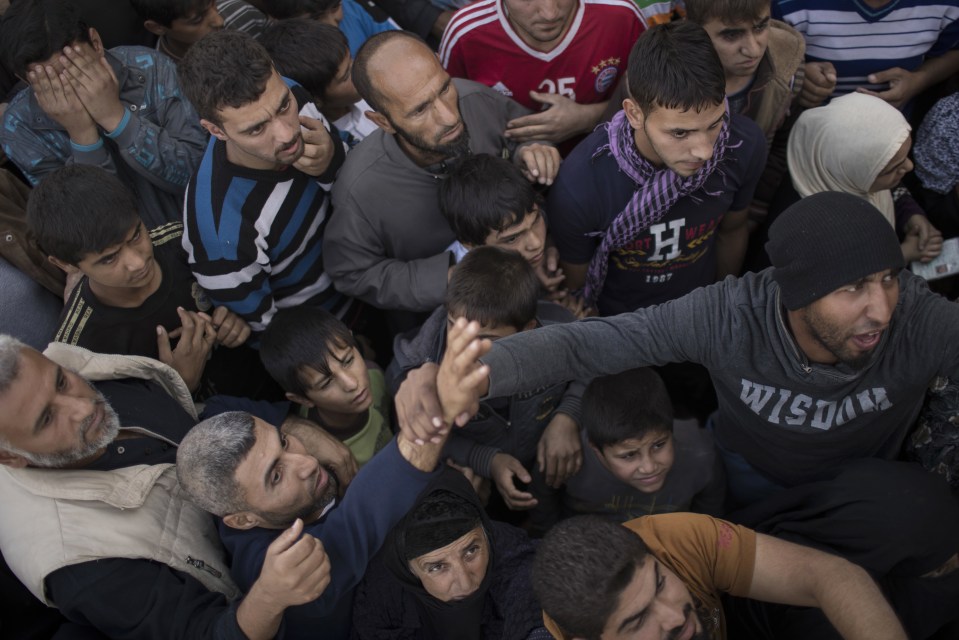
(271, 412)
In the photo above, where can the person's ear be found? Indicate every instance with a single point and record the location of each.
(529, 325)
(381, 121)
(295, 397)
(65, 266)
(12, 459)
(154, 27)
(96, 42)
(243, 520)
(634, 115)
(214, 129)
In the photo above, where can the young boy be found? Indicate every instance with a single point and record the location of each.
(136, 294)
(178, 23)
(487, 201)
(318, 57)
(499, 289)
(636, 460)
(314, 357)
(349, 16)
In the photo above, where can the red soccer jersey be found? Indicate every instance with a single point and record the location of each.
(481, 45)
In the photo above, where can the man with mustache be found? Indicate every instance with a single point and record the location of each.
(257, 207)
(388, 244)
(87, 443)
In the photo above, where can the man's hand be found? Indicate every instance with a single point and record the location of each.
(903, 86)
(91, 76)
(197, 337)
(480, 484)
(418, 410)
(504, 468)
(923, 241)
(539, 162)
(460, 374)
(818, 84)
(549, 273)
(559, 453)
(231, 329)
(59, 101)
(562, 119)
(317, 147)
(329, 451)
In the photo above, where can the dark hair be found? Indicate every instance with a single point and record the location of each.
(33, 30)
(483, 194)
(166, 11)
(626, 405)
(307, 51)
(361, 63)
(675, 66)
(494, 287)
(726, 11)
(78, 210)
(224, 69)
(581, 568)
(301, 337)
(285, 9)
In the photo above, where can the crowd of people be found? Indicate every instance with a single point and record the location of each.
(502, 319)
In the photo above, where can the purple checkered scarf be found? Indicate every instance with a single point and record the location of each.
(657, 190)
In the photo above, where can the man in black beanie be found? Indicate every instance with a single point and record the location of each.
(823, 358)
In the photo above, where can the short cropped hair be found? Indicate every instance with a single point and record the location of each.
(675, 66)
(626, 405)
(484, 194)
(33, 30)
(307, 51)
(284, 9)
(580, 570)
(726, 11)
(10, 349)
(78, 210)
(301, 337)
(361, 73)
(166, 11)
(207, 460)
(494, 287)
(224, 69)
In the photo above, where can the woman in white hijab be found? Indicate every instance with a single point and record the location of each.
(859, 144)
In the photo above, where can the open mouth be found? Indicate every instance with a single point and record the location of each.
(866, 341)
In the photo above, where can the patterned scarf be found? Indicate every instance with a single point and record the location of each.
(657, 190)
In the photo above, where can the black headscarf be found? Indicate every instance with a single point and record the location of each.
(445, 511)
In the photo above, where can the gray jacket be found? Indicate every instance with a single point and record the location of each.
(792, 420)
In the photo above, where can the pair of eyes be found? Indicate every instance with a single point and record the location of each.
(653, 448)
(420, 110)
(660, 584)
(346, 362)
(260, 128)
(132, 240)
(680, 134)
(887, 280)
(736, 35)
(62, 383)
(469, 554)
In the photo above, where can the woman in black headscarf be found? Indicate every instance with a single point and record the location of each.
(446, 572)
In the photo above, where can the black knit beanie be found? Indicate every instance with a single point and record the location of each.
(826, 241)
(440, 519)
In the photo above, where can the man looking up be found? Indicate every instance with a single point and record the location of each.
(561, 58)
(260, 480)
(86, 445)
(387, 242)
(763, 62)
(120, 110)
(654, 204)
(257, 207)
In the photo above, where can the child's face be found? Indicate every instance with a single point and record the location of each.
(127, 265)
(527, 236)
(642, 463)
(341, 93)
(189, 29)
(346, 390)
(494, 332)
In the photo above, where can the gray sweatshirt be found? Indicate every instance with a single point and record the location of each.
(793, 420)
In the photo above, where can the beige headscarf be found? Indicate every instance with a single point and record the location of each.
(844, 146)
